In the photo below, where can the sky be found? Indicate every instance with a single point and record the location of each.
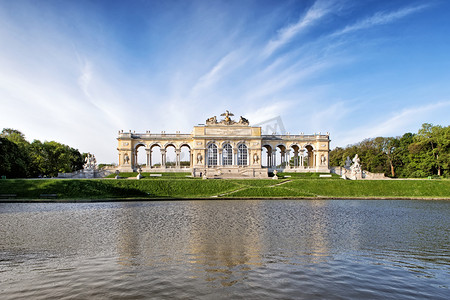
(77, 72)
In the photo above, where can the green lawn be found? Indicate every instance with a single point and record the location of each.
(182, 187)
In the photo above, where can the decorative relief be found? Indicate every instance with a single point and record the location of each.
(126, 143)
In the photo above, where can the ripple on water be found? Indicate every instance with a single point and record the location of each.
(225, 249)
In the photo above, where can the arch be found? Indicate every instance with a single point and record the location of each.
(170, 156)
(242, 154)
(166, 145)
(185, 145)
(227, 154)
(309, 156)
(155, 155)
(279, 160)
(185, 156)
(266, 155)
(295, 159)
(140, 156)
(211, 154)
(154, 145)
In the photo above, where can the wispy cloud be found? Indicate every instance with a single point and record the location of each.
(397, 124)
(286, 34)
(380, 18)
(223, 66)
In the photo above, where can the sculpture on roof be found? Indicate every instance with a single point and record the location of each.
(227, 120)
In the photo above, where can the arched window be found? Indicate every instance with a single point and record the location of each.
(212, 155)
(242, 155)
(227, 155)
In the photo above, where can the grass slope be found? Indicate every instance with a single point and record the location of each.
(189, 188)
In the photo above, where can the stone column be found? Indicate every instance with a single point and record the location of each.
(147, 152)
(274, 158)
(288, 157)
(177, 161)
(219, 157)
(296, 159)
(302, 163)
(235, 158)
(163, 158)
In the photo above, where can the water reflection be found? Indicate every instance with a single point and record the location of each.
(240, 249)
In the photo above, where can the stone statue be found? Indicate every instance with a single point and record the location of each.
(243, 121)
(356, 163)
(348, 163)
(199, 158)
(255, 158)
(227, 120)
(355, 168)
(323, 159)
(212, 120)
(89, 162)
(126, 159)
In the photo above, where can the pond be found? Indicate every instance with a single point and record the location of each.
(252, 249)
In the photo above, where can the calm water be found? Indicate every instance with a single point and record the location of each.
(333, 249)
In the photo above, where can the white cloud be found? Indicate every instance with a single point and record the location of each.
(286, 34)
(408, 120)
(380, 18)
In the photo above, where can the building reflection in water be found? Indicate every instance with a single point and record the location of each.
(221, 241)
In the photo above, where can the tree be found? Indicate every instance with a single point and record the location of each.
(431, 149)
(14, 162)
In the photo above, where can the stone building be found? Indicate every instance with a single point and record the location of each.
(227, 149)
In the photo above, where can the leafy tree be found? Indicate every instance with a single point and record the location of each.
(14, 161)
(21, 159)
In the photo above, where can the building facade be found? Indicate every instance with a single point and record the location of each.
(227, 149)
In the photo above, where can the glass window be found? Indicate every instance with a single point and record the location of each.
(242, 155)
(227, 155)
(212, 155)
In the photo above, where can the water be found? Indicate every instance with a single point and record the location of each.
(270, 249)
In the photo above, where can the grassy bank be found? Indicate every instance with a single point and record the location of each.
(188, 188)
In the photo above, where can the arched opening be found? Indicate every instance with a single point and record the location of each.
(155, 156)
(185, 156)
(280, 157)
(211, 155)
(242, 155)
(170, 156)
(266, 153)
(308, 160)
(140, 159)
(295, 157)
(227, 155)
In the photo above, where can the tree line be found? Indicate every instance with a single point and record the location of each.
(422, 154)
(21, 159)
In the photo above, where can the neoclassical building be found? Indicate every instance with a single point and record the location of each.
(227, 149)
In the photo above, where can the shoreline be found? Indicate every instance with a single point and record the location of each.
(105, 200)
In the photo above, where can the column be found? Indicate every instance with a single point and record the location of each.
(163, 158)
(148, 152)
(288, 158)
(302, 163)
(274, 158)
(296, 159)
(219, 157)
(150, 158)
(177, 160)
(235, 160)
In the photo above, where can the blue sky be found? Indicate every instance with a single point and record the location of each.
(79, 71)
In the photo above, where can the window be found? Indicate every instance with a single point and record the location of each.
(227, 155)
(242, 155)
(212, 155)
